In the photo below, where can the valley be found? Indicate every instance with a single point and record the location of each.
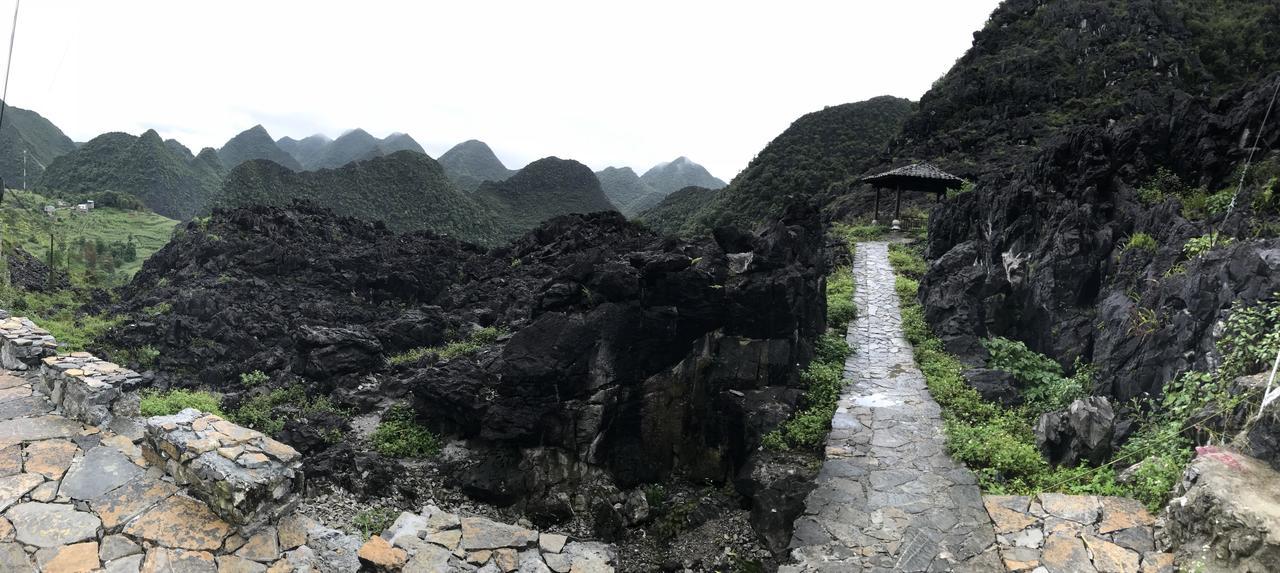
(1066, 363)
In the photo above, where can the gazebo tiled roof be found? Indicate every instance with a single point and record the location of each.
(916, 177)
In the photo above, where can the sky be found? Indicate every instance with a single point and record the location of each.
(602, 82)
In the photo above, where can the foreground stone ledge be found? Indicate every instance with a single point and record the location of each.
(89, 388)
(1225, 514)
(247, 478)
(23, 343)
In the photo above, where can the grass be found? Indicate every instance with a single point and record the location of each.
(26, 225)
(156, 403)
(57, 313)
(478, 339)
(399, 435)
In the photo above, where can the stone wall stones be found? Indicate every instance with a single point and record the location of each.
(246, 477)
(436, 540)
(1081, 533)
(24, 343)
(88, 388)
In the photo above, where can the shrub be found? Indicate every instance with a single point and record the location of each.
(1250, 337)
(830, 348)
(1141, 241)
(155, 403)
(260, 411)
(145, 356)
(400, 436)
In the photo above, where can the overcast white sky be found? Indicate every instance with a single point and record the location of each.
(606, 83)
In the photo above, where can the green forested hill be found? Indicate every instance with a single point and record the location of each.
(406, 190)
(672, 212)
(472, 162)
(818, 150)
(255, 143)
(544, 189)
(626, 191)
(409, 191)
(42, 140)
(144, 167)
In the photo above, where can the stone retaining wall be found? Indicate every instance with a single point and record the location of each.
(24, 343)
(246, 477)
(89, 388)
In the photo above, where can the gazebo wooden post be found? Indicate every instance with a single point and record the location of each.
(897, 203)
(877, 215)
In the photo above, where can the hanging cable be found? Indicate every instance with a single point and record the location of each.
(4, 98)
(1257, 138)
(4, 94)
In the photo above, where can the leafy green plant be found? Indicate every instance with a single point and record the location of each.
(401, 436)
(155, 403)
(158, 309)
(1140, 241)
(144, 356)
(1251, 337)
(907, 261)
(1196, 247)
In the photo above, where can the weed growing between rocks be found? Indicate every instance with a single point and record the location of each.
(372, 521)
(1140, 241)
(475, 341)
(401, 436)
(156, 403)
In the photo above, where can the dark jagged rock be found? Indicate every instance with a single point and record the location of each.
(328, 351)
(1037, 251)
(28, 273)
(995, 385)
(778, 483)
(1084, 432)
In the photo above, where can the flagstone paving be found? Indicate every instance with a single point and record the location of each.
(75, 497)
(889, 498)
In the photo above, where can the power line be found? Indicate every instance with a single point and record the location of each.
(4, 99)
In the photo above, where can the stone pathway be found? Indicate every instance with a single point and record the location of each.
(889, 497)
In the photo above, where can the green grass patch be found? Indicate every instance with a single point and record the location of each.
(107, 245)
(168, 403)
(860, 232)
(478, 339)
(401, 436)
(1196, 247)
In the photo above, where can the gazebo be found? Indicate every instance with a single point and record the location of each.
(922, 177)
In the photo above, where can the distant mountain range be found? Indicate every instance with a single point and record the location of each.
(468, 193)
(410, 191)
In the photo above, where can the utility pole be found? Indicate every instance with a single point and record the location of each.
(24, 170)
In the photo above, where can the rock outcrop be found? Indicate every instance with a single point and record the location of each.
(1081, 433)
(1225, 515)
